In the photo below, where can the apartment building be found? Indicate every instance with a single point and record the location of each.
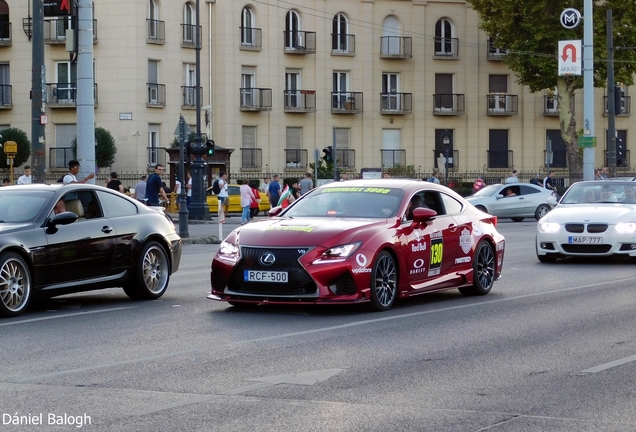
(389, 82)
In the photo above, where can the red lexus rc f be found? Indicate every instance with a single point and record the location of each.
(360, 241)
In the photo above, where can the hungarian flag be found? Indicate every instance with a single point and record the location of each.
(283, 201)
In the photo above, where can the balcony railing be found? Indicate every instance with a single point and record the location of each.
(6, 101)
(60, 156)
(251, 158)
(346, 102)
(396, 47)
(625, 105)
(156, 155)
(499, 159)
(190, 96)
(343, 44)
(392, 158)
(5, 34)
(256, 99)
(55, 30)
(189, 35)
(296, 159)
(502, 104)
(156, 31)
(448, 104)
(446, 47)
(64, 95)
(156, 95)
(438, 157)
(300, 100)
(300, 42)
(551, 106)
(251, 38)
(396, 103)
(494, 53)
(345, 158)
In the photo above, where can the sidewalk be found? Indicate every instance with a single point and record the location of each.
(207, 232)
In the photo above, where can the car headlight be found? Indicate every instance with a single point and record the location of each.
(337, 253)
(228, 251)
(549, 227)
(626, 227)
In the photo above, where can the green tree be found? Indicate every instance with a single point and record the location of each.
(24, 146)
(105, 149)
(530, 31)
(325, 170)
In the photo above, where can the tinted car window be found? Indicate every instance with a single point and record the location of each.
(527, 190)
(355, 202)
(451, 204)
(115, 205)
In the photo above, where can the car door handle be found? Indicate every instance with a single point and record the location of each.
(107, 229)
(452, 227)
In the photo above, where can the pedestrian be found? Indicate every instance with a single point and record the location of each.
(274, 191)
(536, 180)
(73, 169)
(114, 183)
(344, 177)
(479, 184)
(603, 175)
(247, 196)
(306, 184)
(140, 190)
(26, 177)
(434, 178)
(512, 178)
(255, 206)
(154, 188)
(189, 190)
(548, 182)
(264, 185)
(223, 196)
(6, 182)
(177, 186)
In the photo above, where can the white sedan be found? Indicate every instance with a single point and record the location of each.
(593, 218)
(514, 200)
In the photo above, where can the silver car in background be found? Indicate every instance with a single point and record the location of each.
(528, 201)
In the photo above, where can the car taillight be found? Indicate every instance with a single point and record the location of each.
(492, 220)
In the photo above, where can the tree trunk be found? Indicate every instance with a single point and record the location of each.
(567, 121)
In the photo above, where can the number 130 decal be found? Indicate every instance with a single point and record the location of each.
(437, 252)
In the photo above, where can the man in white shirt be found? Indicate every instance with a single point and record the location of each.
(223, 198)
(189, 190)
(73, 168)
(140, 189)
(26, 177)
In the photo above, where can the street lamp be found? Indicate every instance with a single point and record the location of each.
(447, 142)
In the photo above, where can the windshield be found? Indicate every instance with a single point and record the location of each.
(487, 191)
(600, 192)
(348, 202)
(21, 206)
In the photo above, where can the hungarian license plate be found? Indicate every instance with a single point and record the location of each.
(584, 240)
(265, 276)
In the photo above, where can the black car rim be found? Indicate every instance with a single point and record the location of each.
(385, 281)
(486, 267)
(14, 285)
(155, 270)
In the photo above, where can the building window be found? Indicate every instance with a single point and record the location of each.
(497, 87)
(248, 85)
(5, 84)
(444, 38)
(153, 145)
(292, 88)
(190, 85)
(498, 148)
(189, 26)
(339, 37)
(391, 152)
(444, 92)
(66, 82)
(340, 86)
(559, 152)
(248, 23)
(292, 27)
(390, 90)
(293, 146)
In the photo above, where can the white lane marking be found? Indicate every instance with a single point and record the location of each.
(609, 365)
(318, 330)
(65, 316)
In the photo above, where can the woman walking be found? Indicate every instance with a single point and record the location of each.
(246, 199)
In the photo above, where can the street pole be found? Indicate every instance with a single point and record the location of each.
(588, 89)
(611, 102)
(183, 207)
(38, 84)
(85, 85)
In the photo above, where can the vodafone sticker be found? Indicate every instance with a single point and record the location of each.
(361, 260)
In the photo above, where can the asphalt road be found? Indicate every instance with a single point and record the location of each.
(551, 348)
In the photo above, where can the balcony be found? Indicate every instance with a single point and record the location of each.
(625, 106)
(189, 37)
(300, 42)
(251, 39)
(55, 30)
(343, 45)
(346, 102)
(453, 160)
(499, 159)
(6, 101)
(296, 159)
(189, 94)
(393, 158)
(494, 53)
(551, 106)
(396, 47)
(299, 101)
(5, 34)
(156, 156)
(156, 32)
(448, 104)
(345, 158)
(446, 48)
(251, 158)
(64, 95)
(156, 95)
(256, 99)
(502, 104)
(396, 103)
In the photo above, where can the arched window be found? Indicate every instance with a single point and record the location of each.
(444, 37)
(340, 30)
(153, 10)
(292, 26)
(391, 42)
(5, 28)
(189, 25)
(247, 25)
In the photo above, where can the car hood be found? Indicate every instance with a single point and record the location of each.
(305, 231)
(6, 228)
(594, 213)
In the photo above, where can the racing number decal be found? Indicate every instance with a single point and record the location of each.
(437, 252)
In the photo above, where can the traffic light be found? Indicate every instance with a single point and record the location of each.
(618, 100)
(209, 145)
(328, 151)
(621, 161)
(186, 151)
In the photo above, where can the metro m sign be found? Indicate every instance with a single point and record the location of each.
(53, 8)
(570, 54)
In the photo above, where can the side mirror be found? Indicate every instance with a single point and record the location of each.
(500, 196)
(552, 201)
(63, 218)
(275, 211)
(422, 214)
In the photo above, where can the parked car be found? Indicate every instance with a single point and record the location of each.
(360, 241)
(235, 201)
(527, 200)
(593, 218)
(59, 239)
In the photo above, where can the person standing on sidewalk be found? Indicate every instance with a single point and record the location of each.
(223, 197)
(247, 196)
(154, 189)
(274, 191)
